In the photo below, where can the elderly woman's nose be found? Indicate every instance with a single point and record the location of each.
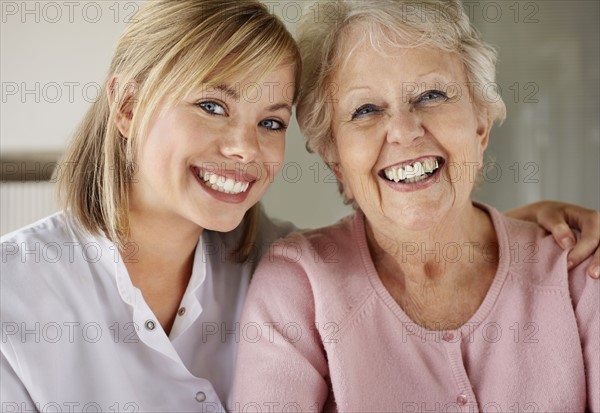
(241, 143)
(405, 127)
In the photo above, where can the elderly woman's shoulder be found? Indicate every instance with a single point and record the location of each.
(531, 237)
(525, 230)
(535, 258)
(321, 245)
(329, 259)
(314, 266)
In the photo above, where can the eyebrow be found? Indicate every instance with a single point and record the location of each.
(278, 106)
(228, 91)
(347, 95)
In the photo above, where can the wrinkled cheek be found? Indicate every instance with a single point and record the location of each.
(363, 189)
(369, 187)
(358, 184)
(358, 156)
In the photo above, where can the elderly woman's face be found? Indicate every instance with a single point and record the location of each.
(408, 135)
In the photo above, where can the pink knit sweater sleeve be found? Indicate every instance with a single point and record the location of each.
(585, 293)
(281, 365)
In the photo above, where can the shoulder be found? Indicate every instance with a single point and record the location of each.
(531, 254)
(40, 243)
(48, 241)
(50, 227)
(45, 264)
(321, 268)
(323, 245)
(537, 262)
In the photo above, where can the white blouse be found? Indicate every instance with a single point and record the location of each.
(77, 335)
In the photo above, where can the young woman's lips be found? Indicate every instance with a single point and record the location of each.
(222, 196)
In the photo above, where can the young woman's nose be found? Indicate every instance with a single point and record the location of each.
(241, 143)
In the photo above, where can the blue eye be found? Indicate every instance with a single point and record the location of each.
(432, 96)
(272, 125)
(365, 110)
(213, 108)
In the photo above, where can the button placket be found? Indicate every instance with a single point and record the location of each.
(465, 398)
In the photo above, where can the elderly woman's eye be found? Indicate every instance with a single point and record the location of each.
(364, 110)
(273, 125)
(212, 108)
(432, 96)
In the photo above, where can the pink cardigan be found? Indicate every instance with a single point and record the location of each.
(320, 331)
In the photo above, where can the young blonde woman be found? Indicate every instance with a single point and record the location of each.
(129, 299)
(127, 307)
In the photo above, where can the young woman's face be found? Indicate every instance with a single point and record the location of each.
(211, 157)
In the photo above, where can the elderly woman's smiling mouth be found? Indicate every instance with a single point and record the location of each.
(413, 174)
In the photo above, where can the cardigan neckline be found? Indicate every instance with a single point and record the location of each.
(480, 314)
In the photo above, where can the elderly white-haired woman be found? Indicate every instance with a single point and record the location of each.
(423, 300)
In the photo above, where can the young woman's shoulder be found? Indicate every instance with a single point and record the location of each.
(51, 240)
(47, 264)
(49, 226)
(40, 244)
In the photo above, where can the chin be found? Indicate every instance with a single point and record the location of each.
(223, 224)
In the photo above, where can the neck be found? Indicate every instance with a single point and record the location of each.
(439, 276)
(159, 260)
(162, 246)
(435, 254)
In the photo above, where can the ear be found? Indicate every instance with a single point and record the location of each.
(125, 109)
(484, 126)
(338, 170)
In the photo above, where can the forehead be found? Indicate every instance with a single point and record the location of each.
(276, 82)
(369, 60)
(230, 69)
(281, 74)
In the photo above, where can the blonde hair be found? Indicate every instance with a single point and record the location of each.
(170, 48)
(441, 24)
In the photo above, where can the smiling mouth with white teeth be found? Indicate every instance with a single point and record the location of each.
(414, 171)
(222, 184)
